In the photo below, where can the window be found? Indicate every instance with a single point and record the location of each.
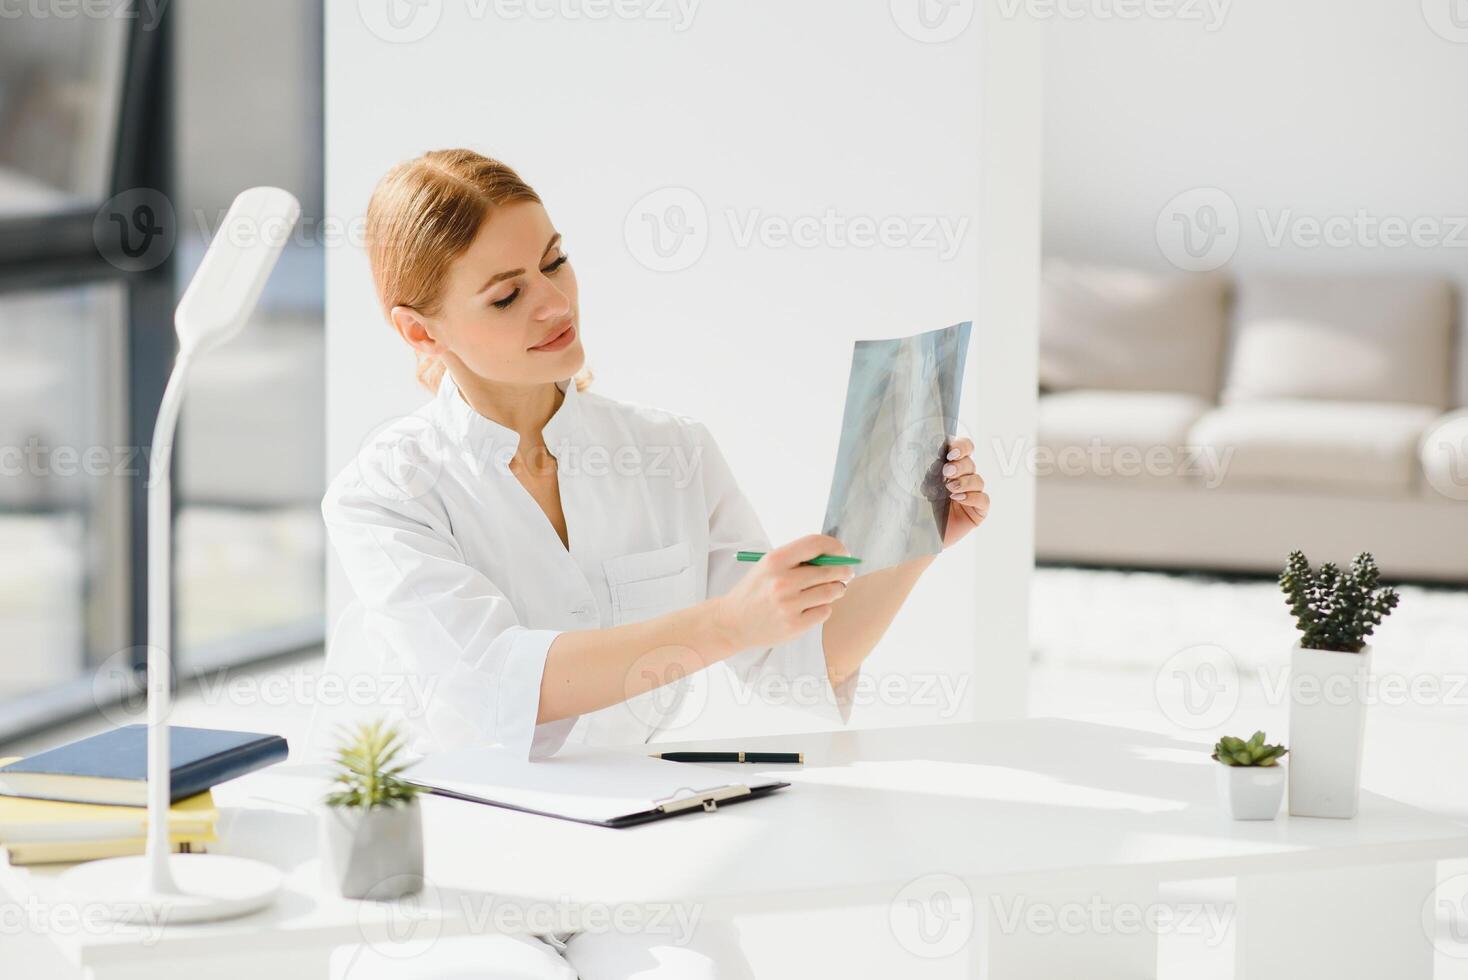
(108, 119)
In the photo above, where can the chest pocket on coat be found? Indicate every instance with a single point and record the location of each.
(650, 583)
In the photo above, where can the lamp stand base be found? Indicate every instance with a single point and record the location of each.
(210, 886)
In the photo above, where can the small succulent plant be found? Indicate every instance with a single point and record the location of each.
(1237, 752)
(367, 768)
(1336, 610)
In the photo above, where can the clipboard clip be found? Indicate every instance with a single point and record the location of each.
(708, 799)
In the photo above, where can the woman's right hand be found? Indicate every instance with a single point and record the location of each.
(780, 598)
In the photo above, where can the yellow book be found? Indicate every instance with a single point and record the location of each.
(30, 821)
(65, 851)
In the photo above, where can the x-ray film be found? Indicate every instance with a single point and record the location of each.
(888, 501)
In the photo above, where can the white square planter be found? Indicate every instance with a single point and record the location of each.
(1251, 792)
(1327, 730)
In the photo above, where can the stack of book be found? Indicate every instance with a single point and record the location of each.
(88, 799)
(48, 831)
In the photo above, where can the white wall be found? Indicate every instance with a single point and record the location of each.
(755, 109)
(222, 123)
(1309, 110)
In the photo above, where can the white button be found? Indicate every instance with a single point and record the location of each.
(585, 609)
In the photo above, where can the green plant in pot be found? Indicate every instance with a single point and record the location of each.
(1253, 752)
(1335, 610)
(372, 827)
(1250, 779)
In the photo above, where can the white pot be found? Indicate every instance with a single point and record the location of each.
(372, 853)
(1251, 792)
(1327, 730)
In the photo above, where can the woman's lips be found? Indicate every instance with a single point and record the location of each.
(561, 341)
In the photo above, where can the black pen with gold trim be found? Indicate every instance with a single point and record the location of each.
(789, 758)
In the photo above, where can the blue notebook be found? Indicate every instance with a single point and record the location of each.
(113, 767)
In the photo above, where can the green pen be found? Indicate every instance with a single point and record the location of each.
(817, 560)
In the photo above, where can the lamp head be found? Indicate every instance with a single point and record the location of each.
(224, 291)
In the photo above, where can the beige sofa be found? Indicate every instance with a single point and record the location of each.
(1203, 422)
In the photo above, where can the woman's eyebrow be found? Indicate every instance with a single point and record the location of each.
(498, 276)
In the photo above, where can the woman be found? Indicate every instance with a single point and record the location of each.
(547, 562)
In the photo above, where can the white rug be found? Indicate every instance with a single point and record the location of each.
(1126, 620)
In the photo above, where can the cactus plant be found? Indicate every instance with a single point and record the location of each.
(1336, 610)
(366, 771)
(1254, 752)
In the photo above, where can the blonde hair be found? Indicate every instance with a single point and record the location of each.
(426, 212)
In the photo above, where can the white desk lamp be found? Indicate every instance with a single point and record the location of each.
(190, 887)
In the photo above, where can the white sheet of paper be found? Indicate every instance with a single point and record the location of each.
(580, 783)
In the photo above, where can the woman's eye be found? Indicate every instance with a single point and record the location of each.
(548, 270)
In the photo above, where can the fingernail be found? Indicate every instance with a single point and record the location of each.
(953, 454)
(959, 496)
(950, 469)
(952, 484)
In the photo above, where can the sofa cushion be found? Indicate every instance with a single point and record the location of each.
(1349, 338)
(1326, 445)
(1120, 329)
(1137, 434)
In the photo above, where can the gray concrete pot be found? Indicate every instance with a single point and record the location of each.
(374, 853)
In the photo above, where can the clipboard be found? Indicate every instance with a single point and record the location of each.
(601, 787)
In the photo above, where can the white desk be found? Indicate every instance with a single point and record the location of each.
(1026, 847)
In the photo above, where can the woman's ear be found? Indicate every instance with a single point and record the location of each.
(415, 330)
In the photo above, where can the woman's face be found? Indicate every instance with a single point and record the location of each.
(507, 297)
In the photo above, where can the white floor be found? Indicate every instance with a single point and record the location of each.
(1166, 653)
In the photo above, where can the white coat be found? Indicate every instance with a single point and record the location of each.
(465, 584)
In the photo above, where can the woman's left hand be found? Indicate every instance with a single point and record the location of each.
(968, 504)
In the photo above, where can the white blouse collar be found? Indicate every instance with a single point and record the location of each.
(478, 432)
